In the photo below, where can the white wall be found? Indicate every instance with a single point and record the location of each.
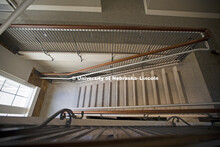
(68, 62)
(16, 65)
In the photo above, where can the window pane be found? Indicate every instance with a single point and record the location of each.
(17, 115)
(10, 86)
(2, 80)
(5, 98)
(24, 91)
(19, 101)
(14, 94)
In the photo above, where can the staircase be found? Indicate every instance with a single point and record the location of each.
(168, 89)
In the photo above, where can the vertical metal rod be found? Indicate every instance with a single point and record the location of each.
(65, 44)
(49, 40)
(136, 39)
(129, 46)
(77, 39)
(141, 41)
(15, 14)
(89, 45)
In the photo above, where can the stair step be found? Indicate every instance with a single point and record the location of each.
(165, 86)
(169, 89)
(78, 99)
(134, 91)
(178, 85)
(130, 93)
(143, 83)
(154, 89)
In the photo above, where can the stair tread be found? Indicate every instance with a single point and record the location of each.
(167, 90)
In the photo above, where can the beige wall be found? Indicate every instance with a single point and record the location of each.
(15, 65)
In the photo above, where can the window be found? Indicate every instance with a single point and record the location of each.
(17, 96)
(13, 93)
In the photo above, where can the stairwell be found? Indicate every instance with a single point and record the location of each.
(181, 83)
(168, 89)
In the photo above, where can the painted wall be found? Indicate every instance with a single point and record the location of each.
(185, 5)
(15, 65)
(68, 62)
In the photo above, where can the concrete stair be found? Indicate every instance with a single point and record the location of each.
(168, 89)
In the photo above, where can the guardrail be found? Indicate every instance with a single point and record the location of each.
(152, 46)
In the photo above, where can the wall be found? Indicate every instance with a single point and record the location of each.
(186, 5)
(15, 65)
(43, 84)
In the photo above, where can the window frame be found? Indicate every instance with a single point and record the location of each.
(24, 111)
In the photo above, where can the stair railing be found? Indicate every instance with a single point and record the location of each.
(151, 46)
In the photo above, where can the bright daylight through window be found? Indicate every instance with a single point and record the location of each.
(14, 94)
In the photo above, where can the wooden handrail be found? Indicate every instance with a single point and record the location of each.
(165, 111)
(128, 58)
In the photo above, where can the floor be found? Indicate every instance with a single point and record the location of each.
(64, 95)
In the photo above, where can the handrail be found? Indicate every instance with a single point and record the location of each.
(128, 58)
(118, 67)
(147, 106)
(205, 37)
(49, 26)
(161, 111)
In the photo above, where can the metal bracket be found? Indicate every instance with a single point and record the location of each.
(177, 118)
